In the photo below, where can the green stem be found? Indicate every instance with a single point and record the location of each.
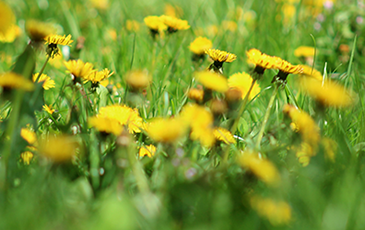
(39, 86)
(266, 117)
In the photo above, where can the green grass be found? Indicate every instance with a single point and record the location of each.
(185, 185)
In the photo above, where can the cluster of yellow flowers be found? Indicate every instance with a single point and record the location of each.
(159, 24)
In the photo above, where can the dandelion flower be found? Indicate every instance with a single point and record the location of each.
(58, 148)
(38, 31)
(53, 41)
(166, 130)
(29, 136)
(200, 45)
(277, 212)
(48, 109)
(100, 4)
(224, 135)
(242, 82)
(304, 153)
(11, 34)
(124, 115)
(106, 125)
(12, 80)
(212, 81)
(330, 147)
(174, 24)
(229, 25)
(7, 18)
(304, 51)
(26, 157)
(155, 24)
(311, 72)
(327, 93)
(132, 25)
(48, 83)
(261, 61)
(219, 57)
(98, 76)
(304, 124)
(196, 94)
(201, 123)
(138, 79)
(262, 168)
(147, 150)
(79, 69)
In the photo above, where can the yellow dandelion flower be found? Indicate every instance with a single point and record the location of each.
(220, 56)
(304, 153)
(7, 18)
(132, 25)
(304, 124)
(199, 45)
(155, 24)
(212, 81)
(79, 69)
(288, 68)
(304, 51)
(242, 82)
(138, 79)
(277, 212)
(12, 80)
(309, 71)
(100, 4)
(124, 115)
(261, 61)
(58, 148)
(148, 150)
(11, 34)
(330, 148)
(229, 25)
(48, 109)
(38, 31)
(173, 11)
(98, 76)
(327, 93)
(174, 24)
(166, 130)
(29, 136)
(261, 168)
(48, 83)
(224, 135)
(26, 157)
(196, 95)
(106, 125)
(58, 40)
(201, 123)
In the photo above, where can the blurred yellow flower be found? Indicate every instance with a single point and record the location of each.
(304, 51)
(201, 123)
(12, 80)
(196, 94)
(242, 82)
(174, 24)
(304, 153)
(330, 148)
(328, 93)
(224, 135)
(38, 31)
(58, 40)
(155, 24)
(26, 157)
(200, 45)
(220, 56)
(262, 168)
(138, 79)
(166, 130)
(100, 4)
(48, 83)
(312, 72)
(98, 76)
(132, 25)
(147, 150)
(277, 212)
(229, 25)
(173, 11)
(124, 115)
(7, 19)
(79, 69)
(304, 124)
(212, 81)
(29, 136)
(106, 125)
(58, 148)
(11, 34)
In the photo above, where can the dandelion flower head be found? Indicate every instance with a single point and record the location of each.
(58, 148)
(304, 51)
(155, 24)
(79, 69)
(138, 79)
(38, 31)
(12, 80)
(147, 150)
(7, 18)
(311, 72)
(212, 81)
(220, 56)
(196, 94)
(106, 125)
(10, 35)
(98, 76)
(174, 24)
(48, 83)
(242, 82)
(224, 135)
(166, 130)
(29, 136)
(26, 157)
(199, 45)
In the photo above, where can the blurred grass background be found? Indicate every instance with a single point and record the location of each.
(323, 195)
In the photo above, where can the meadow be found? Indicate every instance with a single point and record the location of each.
(182, 114)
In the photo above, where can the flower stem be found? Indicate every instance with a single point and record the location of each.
(39, 86)
(43, 67)
(266, 117)
(242, 108)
